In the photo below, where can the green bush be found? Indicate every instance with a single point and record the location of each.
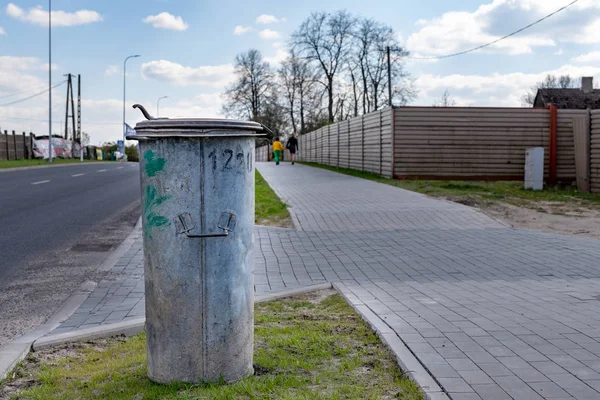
(132, 153)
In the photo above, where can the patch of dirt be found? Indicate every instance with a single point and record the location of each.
(565, 219)
(276, 222)
(22, 377)
(575, 218)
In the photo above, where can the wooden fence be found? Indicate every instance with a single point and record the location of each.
(595, 151)
(461, 143)
(15, 146)
(363, 143)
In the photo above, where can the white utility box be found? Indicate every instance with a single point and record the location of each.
(534, 168)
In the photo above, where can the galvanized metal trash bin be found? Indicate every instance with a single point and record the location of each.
(197, 179)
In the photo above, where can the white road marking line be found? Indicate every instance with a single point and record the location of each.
(101, 170)
(39, 183)
(120, 168)
(77, 175)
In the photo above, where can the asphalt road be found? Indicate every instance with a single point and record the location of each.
(57, 225)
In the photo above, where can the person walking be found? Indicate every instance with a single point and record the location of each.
(277, 149)
(292, 146)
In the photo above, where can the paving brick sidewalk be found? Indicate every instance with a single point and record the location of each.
(491, 312)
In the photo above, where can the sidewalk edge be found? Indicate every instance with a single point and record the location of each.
(405, 358)
(125, 245)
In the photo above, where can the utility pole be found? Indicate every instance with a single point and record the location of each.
(389, 71)
(70, 96)
(50, 81)
(79, 137)
(124, 93)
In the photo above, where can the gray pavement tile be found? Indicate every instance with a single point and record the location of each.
(465, 396)
(443, 371)
(476, 377)
(491, 392)
(455, 385)
(549, 390)
(516, 388)
(462, 364)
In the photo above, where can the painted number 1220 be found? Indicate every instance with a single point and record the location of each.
(231, 161)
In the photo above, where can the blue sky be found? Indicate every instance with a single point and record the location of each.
(187, 48)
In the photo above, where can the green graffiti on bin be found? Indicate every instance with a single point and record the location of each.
(153, 165)
(151, 202)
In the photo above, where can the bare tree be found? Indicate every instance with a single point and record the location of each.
(549, 82)
(372, 38)
(445, 100)
(298, 80)
(325, 39)
(246, 97)
(288, 77)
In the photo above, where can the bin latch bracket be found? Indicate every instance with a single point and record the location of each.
(184, 225)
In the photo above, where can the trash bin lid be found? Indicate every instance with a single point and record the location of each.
(194, 127)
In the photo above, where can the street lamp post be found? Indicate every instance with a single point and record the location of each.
(49, 81)
(158, 104)
(124, 92)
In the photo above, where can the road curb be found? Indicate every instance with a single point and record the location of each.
(51, 166)
(125, 245)
(127, 328)
(405, 358)
(292, 292)
(135, 326)
(16, 350)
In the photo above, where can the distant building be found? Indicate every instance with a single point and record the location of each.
(574, 99)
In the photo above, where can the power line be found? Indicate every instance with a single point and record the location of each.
(21, 92)
(57, 122)
(32, 96)
(497, 40)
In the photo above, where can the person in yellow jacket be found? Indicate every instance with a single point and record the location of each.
(277, 149)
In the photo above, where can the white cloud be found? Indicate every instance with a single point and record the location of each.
(164, 20)
(2, 31)
(460, 30)
(591, 57)
(38, 16)
(494, 89)
(279, 56)
(15, 75)
(558, 52)
(240, 30)
(111, 70)
(217, 76)
(205, 105)
(268, 19)
(268, 34)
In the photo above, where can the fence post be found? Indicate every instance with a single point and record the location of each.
(380, 142)
(393, 153)
(553, 127)
(348, 145)
(362, 132)
(24, 146)
(329, 145)
(338, 144)
(15, 144)
(31, 139)
(6, 144)
(315, 146)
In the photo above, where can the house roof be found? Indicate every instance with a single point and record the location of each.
(569, 98)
